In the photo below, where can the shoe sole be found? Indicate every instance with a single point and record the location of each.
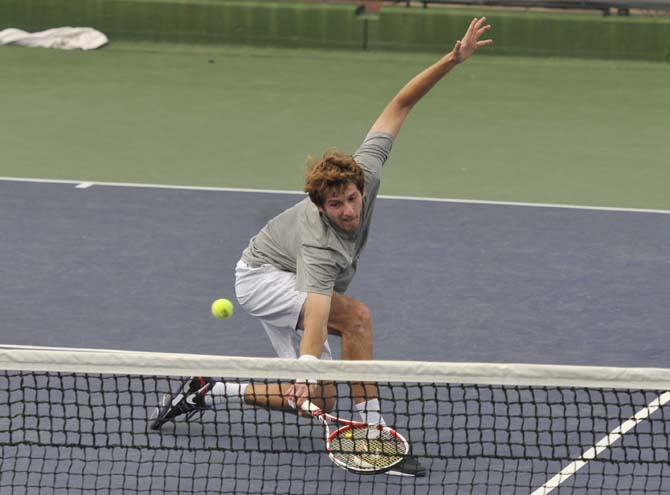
(164, 406)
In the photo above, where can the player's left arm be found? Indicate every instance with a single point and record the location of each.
(315, 322)
(393, 116)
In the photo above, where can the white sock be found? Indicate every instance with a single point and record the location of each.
(226, 389)
(370, 412)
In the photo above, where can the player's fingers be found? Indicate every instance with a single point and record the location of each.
(481, 31)
(484, 42)
(301, 396)
(290, 394)
(480, 21)
(294, 399)
(472, 25)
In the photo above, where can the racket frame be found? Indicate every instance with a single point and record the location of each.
(349, 425)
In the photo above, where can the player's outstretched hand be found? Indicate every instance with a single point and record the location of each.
(465, 47)
(301, 391)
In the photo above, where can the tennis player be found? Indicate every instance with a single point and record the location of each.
(295, 271)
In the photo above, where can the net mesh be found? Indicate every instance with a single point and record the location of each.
(87, 432)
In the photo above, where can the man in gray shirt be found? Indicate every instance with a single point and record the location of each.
(294, 272)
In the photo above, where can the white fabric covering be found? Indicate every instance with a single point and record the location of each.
(66, 38)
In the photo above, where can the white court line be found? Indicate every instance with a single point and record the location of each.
(77, 183)
(603, 444)
(149, 186)
(84, 185)
(64, 349)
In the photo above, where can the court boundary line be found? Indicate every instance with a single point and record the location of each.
(604, 443)
(83, 184)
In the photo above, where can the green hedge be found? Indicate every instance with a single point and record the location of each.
(529, 33)
(336, 26)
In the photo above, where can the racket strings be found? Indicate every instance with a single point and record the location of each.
(367, 448)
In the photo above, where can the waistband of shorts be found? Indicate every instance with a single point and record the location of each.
(250, 266)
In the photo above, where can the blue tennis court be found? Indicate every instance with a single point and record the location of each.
(137, 268)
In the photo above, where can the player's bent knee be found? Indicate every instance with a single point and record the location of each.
(361, 321)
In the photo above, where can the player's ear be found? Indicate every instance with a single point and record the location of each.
(317, 201)
(320, 207)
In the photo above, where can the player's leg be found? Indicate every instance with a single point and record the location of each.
(285, 341)
(198, 394)
(273, 396)
(351, 320)
(270, 295)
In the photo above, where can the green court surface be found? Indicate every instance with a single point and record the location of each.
(498, 128)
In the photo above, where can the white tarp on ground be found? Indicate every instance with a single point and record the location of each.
(66, 38)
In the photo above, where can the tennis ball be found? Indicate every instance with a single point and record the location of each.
(222, 308)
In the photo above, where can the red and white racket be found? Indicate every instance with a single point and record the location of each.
(359, 446)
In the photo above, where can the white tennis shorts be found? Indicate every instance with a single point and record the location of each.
(269, 294)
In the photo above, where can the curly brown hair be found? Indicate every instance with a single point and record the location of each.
(332, 173)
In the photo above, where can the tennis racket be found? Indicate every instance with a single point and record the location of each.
(359, 446)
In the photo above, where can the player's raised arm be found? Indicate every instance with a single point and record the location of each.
(394, 114)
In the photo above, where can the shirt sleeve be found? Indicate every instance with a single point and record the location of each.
(374, 151)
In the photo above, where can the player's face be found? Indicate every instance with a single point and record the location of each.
(343, 208)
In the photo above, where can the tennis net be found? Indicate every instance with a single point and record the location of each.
(76, 421)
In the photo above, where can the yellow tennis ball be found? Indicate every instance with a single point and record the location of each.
(222, 308)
